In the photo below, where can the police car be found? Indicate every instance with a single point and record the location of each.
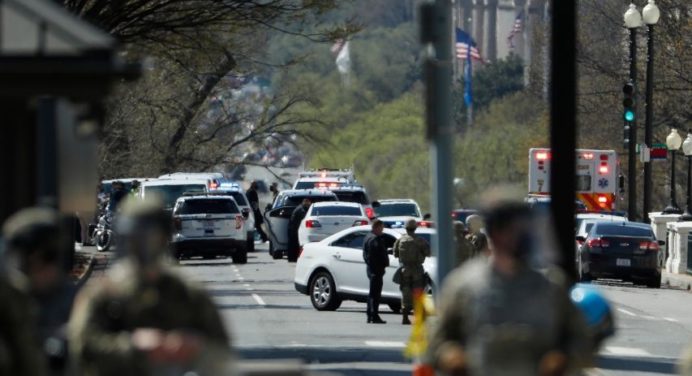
(208, 225)
(395, 212)
(333, 270)
(324, 178)
(236, 191)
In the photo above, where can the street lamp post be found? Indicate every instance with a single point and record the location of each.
(687, 149)
(673, 142)
(633, 20)
(650, 14)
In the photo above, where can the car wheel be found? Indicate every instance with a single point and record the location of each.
(250, 243)
(276, 254)
(323, 292)
(654, 283)
(395, 307)
(240, 256)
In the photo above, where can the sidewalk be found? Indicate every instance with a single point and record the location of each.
(681, 281)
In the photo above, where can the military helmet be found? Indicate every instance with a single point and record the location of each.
(474, 223)
(32, 230)
(139, 214)
(411, 225)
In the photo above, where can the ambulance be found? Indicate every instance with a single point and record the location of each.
(597, 176)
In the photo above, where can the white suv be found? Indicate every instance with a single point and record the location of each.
(208, 225)
(395, 212)
(236, 191)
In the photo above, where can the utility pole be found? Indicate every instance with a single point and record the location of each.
(563, 124)
(436, 26)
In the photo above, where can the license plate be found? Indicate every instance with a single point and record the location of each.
(208, 224)
(623, 262)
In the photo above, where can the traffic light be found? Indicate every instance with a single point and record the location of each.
(628, 102)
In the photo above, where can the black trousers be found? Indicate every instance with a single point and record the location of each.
(258, 226)
(375, 293)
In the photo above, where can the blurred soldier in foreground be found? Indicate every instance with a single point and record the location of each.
(36, 247)
(19, 351)
(503, 318)
(142, 319)
(377, 259)
(411, 250)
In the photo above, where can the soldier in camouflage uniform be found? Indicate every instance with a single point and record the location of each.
(411, 250)
(19, 351)
(142, 318)
(503, 318)
(465, 249)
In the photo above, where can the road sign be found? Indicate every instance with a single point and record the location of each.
(659, 151)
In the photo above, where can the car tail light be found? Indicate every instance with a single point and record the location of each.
(649, 246)
(238, 222)
(598, 243)
(177, 223)
(370, 213)
(311, 223)
(360, 222)
(425, 224)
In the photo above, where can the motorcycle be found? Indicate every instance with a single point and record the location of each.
(103, 235)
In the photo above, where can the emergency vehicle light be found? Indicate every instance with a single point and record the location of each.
(542, 155)
(602, 199)
(603, 169)
(587, 155)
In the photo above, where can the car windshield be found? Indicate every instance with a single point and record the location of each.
(397, 210)
(620, 230)
(297, 200)
(207, 206)
(336, 210)
(237, 196)
(170, 193)
(357, 197)
(316, 184)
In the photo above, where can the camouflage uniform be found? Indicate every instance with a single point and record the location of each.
(19, 351)
(140, 295)
(506, 325)
(411, 251)
(465, 250)
(106, 314)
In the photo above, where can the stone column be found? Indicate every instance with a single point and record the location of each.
(490, 45)
(506, 12)
(479, 23)
(680, 232)
(659, 224)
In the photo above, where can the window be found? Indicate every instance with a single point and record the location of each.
(207, 206)
(237, 196)
(620, 230)
(357, 197)
(336, 210)
(297, 200)
(170, 193)
(353, 240)
(397, 210)
(583, 183)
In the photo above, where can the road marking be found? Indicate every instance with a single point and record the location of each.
(626, 351)
(628, 313)
(653, 318)
(259, 299)
(246, 285)
(669, 319)
(389, 344)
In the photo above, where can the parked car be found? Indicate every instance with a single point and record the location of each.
(326, 218)
(621, 250)
(355, 193)
(395, 212)
(208, 225)
(594, 217)
(277, 217)
(333, 270)
(169, 190)
(236, 191)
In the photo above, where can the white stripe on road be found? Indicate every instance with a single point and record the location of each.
(395, 344)
(259, 299)
(246, 285)
(626, 351)
(669, 319)
(628, 313)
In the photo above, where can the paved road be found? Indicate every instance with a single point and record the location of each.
(270, 320)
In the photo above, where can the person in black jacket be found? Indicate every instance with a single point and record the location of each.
(377, 260)
(253, 198)
(293, 225)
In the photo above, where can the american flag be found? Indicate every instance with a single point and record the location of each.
(337, 46)
(463, 43)
(516, 29)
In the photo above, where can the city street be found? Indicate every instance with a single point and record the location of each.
(270, 320)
